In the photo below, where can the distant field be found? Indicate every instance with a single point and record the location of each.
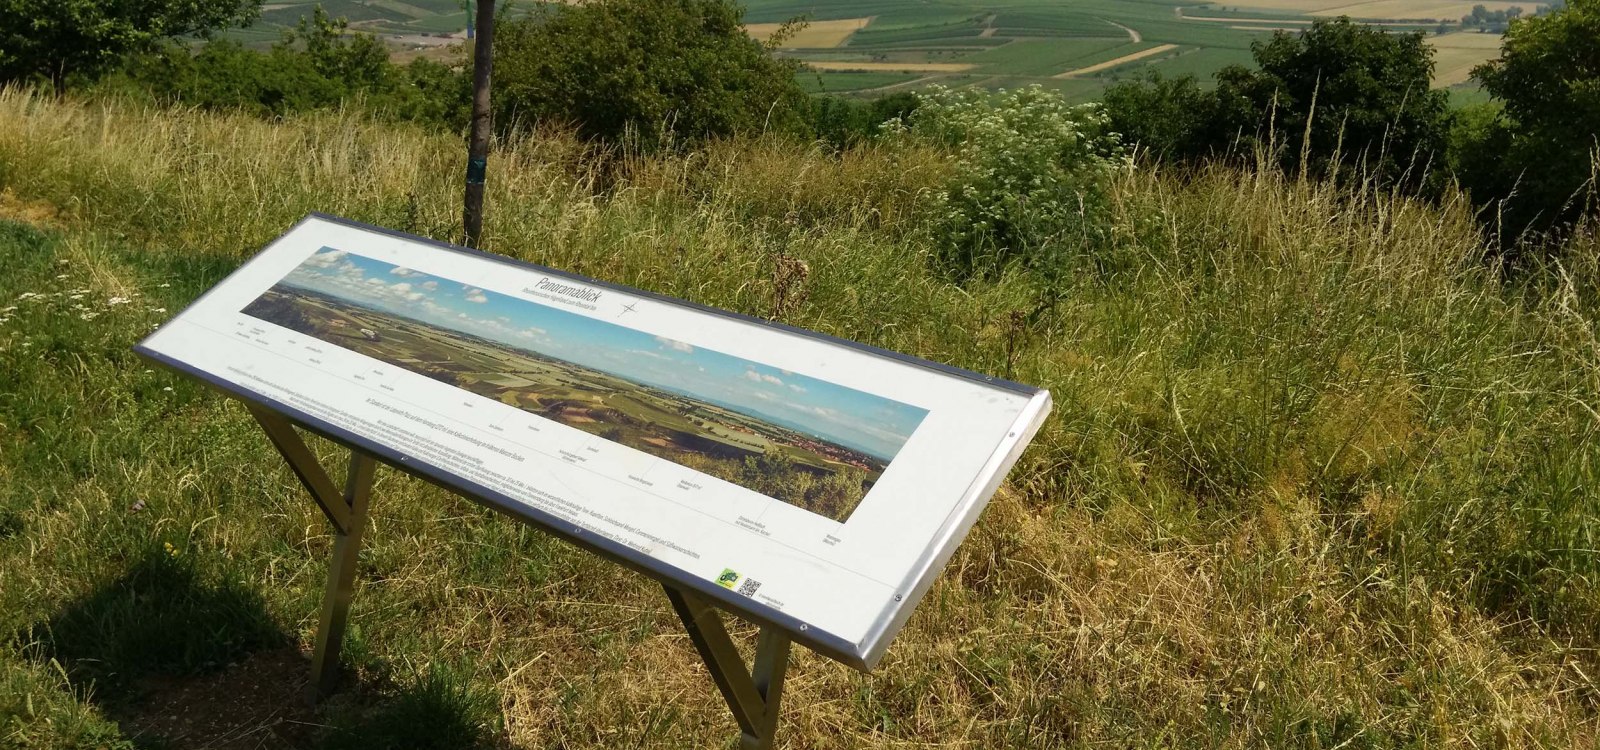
(846, 81)
(1200, 62)
(1125, 59)
(1455, 55)
(1047, 57)
(1398, 10)
(1410, 10)
(1077, 47)
(816, 34)
(902, 67)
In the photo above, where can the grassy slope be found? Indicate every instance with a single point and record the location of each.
(1315, 478)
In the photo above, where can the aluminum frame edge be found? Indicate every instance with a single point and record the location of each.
(956, 528)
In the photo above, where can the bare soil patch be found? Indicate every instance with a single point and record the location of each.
(255, 704)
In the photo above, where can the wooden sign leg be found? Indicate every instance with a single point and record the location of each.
(753, 695)
(347, 512)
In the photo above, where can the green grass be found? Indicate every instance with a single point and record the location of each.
(1317, 475)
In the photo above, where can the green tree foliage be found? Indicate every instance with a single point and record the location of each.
(654, 71)
(1538, 156)
(1337, 91)
(1344, 89)
(1491, 21)
(842, 122)
(317, 65)
(58, 40)
(1166, 117)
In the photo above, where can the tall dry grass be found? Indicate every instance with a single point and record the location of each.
(1318, 475)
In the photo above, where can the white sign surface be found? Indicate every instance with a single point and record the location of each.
(801, 480)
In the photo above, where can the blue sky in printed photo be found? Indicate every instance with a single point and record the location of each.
(855, 419)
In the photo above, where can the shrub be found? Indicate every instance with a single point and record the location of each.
(318, 65)
(658, 71)
(842, 122)
(1171, 118)
(1030, 182)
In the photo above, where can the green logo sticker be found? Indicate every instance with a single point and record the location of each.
(728, 578)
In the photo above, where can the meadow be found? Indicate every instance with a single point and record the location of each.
(1318, 475)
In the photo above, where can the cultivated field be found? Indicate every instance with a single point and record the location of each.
(1081, 46)
(909, 67)
(1383, 10)
(1077, 47)
(1414, 10)
(815, 34)
(1125, 59)
(1455, 55)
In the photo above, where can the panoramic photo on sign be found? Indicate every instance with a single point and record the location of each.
(805, 481)
(801, 440)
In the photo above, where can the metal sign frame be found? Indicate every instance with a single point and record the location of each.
(753, 694)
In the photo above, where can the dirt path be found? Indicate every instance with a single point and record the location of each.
(1133, 34)
(1140, 55)
(988, 27)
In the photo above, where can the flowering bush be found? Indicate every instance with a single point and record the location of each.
(1031, 177)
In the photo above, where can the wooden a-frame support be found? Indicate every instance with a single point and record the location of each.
(753, 694)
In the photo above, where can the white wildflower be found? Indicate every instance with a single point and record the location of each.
(89, 316)
(114, 301)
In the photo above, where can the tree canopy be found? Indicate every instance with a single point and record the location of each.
(54, 40)
(654, 70)
(1546, 144)
(1338, 90)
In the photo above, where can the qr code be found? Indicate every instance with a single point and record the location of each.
(748, 588)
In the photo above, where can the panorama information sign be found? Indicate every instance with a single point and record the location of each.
(802, 481)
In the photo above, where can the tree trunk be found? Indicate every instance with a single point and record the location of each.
(478, 142)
